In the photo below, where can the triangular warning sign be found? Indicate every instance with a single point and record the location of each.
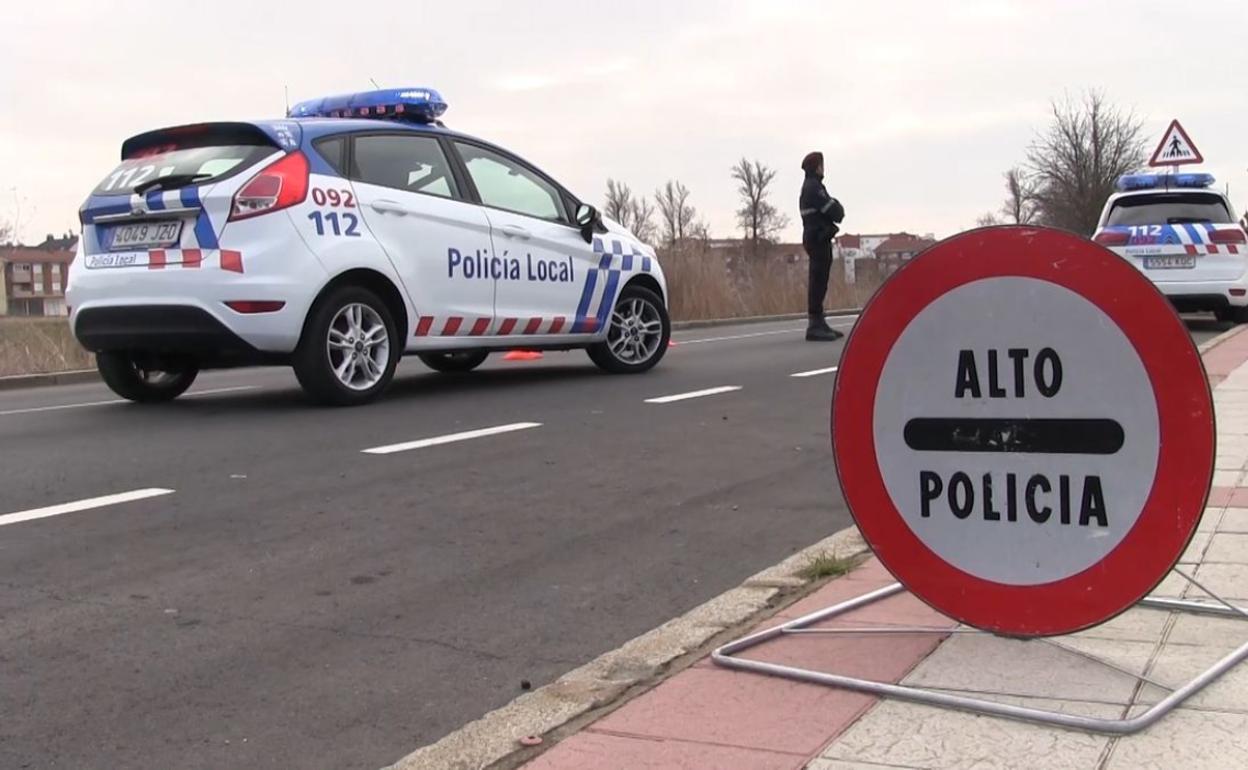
(1176, 148)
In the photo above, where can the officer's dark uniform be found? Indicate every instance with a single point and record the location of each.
(821, 215)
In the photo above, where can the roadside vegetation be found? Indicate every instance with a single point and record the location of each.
(39, 345)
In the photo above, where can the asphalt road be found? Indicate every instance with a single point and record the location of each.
(287, 600)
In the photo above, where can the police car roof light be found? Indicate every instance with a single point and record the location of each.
(423, 105)
(1133, 182)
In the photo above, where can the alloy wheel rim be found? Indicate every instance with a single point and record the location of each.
(636, 331)
(358, 345)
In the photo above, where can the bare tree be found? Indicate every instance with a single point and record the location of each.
(989, 219)
(757, 216)
(1020, 197)
(642, 216)
(619, 205)
(1076, 162)
(676, 217)
(6, 233)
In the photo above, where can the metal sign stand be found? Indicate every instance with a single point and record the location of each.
(726, 656)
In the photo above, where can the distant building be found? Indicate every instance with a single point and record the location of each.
(899, 249)
(33, 278)
(889, 250)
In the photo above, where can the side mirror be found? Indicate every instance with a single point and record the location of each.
(588, 219)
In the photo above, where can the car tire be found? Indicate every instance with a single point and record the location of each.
(638, 335)
(129, 377)
(454, 363)
(349, 348)
(1232, 315)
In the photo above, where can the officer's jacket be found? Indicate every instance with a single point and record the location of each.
(821, 213)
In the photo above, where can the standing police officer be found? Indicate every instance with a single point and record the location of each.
(821, 215)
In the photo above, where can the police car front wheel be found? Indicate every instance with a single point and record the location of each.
(638, 336)
(145, 379)
(349, 348)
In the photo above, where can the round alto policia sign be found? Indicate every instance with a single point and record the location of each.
(1023, 431)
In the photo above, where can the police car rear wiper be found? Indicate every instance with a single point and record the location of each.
(1188, 221)
(172, 180)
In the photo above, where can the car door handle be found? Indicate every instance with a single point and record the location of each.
(384, 206)
(516, 231)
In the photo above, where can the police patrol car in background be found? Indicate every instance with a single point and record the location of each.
(355, 230)
(1185, 237)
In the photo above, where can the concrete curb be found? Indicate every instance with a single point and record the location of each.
(1208, 345)
(589, 692)
(19, 381)
(756, 319)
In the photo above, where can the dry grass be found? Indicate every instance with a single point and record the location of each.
(704, 283)
(722, 283)
(39, 345)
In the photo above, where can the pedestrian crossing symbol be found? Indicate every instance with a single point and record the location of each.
(1176, 148)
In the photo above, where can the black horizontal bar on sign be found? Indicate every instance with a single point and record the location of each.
(1014, 435)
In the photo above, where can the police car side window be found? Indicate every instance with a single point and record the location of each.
(412, 163)
(505, 184)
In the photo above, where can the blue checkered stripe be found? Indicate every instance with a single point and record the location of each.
(612, 263)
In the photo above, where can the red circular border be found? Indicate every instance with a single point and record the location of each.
(1184, 406)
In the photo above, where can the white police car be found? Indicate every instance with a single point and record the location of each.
(1185, 237)
(355, 230)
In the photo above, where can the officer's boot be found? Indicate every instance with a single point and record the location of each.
(817, 330)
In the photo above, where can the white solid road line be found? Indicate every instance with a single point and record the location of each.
(816, 372)
(82, 505)
(451, 438)
(839, 321)
(58, 407)
(694, 394)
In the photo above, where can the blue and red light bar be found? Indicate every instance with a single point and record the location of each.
(1133, 182)
(423, 105)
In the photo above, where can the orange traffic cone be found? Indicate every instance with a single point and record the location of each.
(523, 355)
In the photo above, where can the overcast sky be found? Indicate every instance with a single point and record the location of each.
(918, 106)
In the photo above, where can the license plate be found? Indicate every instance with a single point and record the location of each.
(144, 235)
(1169, 263)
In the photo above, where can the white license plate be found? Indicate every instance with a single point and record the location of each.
(144, 235)
(1169, 263)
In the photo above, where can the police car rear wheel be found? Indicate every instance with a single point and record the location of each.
(349, 351)
(451, 363)
(144, 379)
(638, 336)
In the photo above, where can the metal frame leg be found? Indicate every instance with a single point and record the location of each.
(726, 656)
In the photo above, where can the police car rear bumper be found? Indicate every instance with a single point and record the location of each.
(164, 329)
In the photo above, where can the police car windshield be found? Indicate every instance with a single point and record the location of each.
(1169, 209)
(181, 166)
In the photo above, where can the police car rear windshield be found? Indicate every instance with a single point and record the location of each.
(1171, 208)
(202, 154)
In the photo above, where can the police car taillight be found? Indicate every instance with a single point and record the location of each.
(1112, 238)
(1230, 235)
(282, 184)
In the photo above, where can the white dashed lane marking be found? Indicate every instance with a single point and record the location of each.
(693, 394)
(82, 505)
(816, 372)
(451, 438)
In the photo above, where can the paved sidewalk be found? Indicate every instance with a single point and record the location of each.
(710, 717)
